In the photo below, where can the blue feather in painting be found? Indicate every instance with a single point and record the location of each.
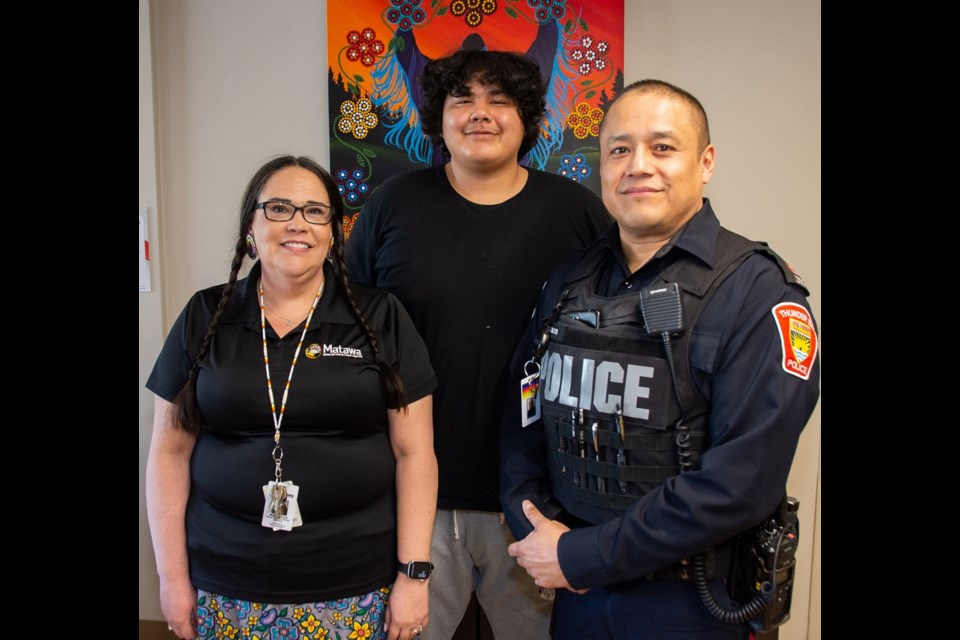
(397, 92)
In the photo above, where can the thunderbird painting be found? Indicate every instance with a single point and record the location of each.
(377, 50)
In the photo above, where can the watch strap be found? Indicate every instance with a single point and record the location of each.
(416, 569)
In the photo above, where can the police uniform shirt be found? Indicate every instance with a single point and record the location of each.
(758, 410)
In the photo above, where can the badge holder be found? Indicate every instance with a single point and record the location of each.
(281, 512)
(529, 396)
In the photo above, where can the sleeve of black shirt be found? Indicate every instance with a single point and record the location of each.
(360, 250)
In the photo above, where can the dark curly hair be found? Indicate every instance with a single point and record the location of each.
(516, 75)
(188, 412)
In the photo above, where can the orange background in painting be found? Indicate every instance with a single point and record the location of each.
(384, 149)
(444, 34)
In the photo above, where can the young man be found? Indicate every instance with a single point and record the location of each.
(670, 424)
(466, 246)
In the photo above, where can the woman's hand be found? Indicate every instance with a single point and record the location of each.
(407, 608)
(411, 436)
(168, 487)
(178, 601)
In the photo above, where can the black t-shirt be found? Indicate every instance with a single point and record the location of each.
(469, 275)
(334, 434)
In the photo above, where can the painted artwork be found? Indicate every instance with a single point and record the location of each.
(377, 49)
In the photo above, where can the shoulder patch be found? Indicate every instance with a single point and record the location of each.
(798, 338)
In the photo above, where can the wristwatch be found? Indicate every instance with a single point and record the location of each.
(415, 570)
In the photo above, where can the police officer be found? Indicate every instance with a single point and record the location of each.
(677, 366)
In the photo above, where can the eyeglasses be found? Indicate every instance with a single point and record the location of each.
(283, 211)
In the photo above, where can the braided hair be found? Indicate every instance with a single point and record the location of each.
(187, 409)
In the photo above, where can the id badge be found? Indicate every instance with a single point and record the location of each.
(281, 511)
(529, 396)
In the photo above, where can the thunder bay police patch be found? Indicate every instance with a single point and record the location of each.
(798, 338)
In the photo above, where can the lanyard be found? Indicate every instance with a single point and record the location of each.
(278, 417)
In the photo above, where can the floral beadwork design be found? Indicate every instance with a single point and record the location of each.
(574, 167)
(406, 14)
(473, 10)
(352, 185)
(545, 10)
(357, 118)
(585, 120)
(364, 47)
(589, 55)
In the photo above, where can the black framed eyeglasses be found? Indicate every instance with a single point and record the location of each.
(278, 211)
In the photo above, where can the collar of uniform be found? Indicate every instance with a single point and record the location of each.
(698, 238)
(245, 305)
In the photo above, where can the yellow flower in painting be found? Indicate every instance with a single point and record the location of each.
(230, 632)
(353, 608)
(357, 118)
(310, 624)
(585, 120)
(256, 605)
(214, 604)
(298, 612)
(361, 631)
(252, 620)
(245, 632)
(222, 619)
(337, 615)
(348, 620)
(474, 10)
(322, 634)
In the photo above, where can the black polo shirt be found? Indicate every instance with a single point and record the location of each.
(334, 436)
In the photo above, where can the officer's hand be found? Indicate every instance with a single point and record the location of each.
(537, 553)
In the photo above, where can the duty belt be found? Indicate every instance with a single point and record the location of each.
(717, 562)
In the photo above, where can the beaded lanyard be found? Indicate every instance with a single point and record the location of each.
(278, 503)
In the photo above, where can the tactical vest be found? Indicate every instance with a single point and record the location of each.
(610, 410)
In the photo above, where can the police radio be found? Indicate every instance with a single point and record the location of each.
(765, 556)
(765, 562)
(662, 309)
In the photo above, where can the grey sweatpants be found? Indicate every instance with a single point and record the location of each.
(469, 551)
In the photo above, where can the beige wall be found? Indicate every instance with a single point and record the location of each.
(210, 71)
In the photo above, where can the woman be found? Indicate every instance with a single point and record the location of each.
(282, 497)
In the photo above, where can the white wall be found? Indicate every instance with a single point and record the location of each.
(151, 327)
(208, 118)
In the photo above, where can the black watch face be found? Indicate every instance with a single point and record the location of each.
(419, 570)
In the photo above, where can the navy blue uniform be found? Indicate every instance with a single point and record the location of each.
(760, 394)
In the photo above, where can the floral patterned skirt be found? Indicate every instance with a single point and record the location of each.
(356, 618)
